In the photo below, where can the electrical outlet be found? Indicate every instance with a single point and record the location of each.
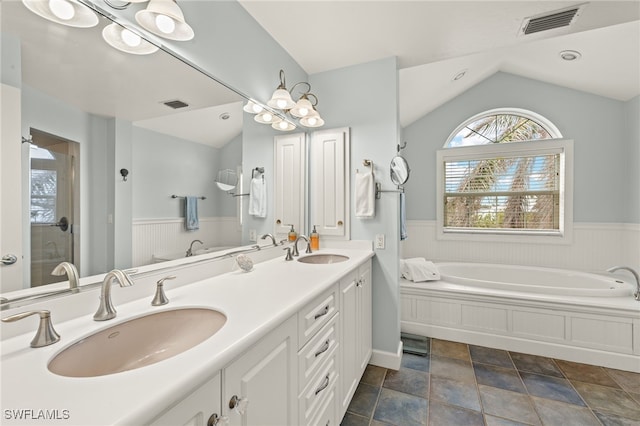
(380, 241)
(252, 235)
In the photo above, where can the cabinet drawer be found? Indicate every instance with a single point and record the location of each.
(316, 314)
(313, 355)
(328, 410)
(321, 387)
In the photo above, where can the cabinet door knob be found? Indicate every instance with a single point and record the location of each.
(216, 420)
(340, 223)
(278, 222)
(238, 404)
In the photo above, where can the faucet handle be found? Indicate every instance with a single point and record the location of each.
(289, 256)
(45, 335)
(160, 298)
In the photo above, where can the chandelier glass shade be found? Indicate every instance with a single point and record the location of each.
(283, 109)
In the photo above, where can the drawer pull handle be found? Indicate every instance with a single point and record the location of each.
(323, 349)
(324, 312)
(324, 385)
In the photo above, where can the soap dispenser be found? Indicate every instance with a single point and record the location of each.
(293, 235)
(315, 239)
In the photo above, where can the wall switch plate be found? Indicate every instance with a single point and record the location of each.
(252, 235)
(379, 243)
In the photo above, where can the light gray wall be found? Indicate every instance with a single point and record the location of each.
(632, 169)
(598, 126)
(365, 99)
(230, 156)
(163, 165)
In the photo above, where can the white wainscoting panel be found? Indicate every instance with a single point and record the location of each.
(595, 247)
(167, 236)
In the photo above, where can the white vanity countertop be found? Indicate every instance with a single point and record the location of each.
(254, 303)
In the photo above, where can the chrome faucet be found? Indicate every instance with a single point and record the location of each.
(295, 245)
(190, 251)
(636, 295)
(273, 239)
(106, 311)
(71, 271)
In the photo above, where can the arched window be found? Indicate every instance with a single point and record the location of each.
(504, 172)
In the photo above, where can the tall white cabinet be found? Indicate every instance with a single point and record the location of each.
(290, 182)
(329, 182)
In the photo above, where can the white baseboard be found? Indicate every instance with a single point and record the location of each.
(387, 359)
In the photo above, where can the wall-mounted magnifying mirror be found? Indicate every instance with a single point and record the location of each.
(227, 179)
(399, 170)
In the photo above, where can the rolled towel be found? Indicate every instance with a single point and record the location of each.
(418, 269)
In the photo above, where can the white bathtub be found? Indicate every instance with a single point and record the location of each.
(582, 317)
(529, 279)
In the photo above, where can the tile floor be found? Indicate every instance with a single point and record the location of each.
(459, 384)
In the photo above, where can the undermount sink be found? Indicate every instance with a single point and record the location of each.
(138, 342)
(323, 259)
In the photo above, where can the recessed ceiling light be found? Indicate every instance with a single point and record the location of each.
(570, 55)
(459, 75)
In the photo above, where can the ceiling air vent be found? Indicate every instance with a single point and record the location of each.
(550, 21)
(176, 104)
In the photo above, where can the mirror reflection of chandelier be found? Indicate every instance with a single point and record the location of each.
(163, 18)
(283, 110)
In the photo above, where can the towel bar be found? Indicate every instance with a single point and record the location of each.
(183, 196)
(379, 190)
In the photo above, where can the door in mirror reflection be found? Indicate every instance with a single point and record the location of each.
(51, 205)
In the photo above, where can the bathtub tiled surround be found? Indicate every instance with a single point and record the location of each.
(459, 384)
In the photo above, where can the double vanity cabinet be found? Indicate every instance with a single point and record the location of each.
(296, 341)
(304, 372)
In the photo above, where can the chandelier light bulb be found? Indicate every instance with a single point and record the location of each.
(165, 24)
(267, 117)
(130, 38)
(62, 9)
(312, 121)
(257, 108)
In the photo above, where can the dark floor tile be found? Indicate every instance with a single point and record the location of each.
(415, 362)
(490, 356)
(450, 349)
(586, 373)
(608, 400)
(377, 423)
(551, 388)
(455, 369)
(535, 364)
(441, 414)
(408, 381)
(635, 396)
(613, 420)
(497, 421)
(351, 419)
(398, 408)
(364, 400)
(558, 413)
(373, 375)
(626, 379)
(508, 405)
(498, 377)
(454, 393)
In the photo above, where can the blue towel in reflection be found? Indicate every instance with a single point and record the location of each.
(403, 218)
(191, 213)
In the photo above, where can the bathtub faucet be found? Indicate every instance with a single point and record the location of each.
(635, 274)
(190, 251)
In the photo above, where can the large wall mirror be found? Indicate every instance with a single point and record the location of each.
(109, 150)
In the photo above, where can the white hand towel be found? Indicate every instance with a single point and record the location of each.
(365, 195)
(258, 197)
(418, 269)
